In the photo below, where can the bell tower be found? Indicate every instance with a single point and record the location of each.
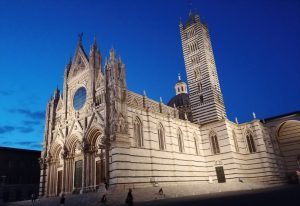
(206, 98)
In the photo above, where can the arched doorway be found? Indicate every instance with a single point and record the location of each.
(95, 159)
(288, 136)
(54, 168)
(73, 167)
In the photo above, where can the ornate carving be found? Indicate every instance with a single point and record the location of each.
(101, 151)
(84, 146)
(42, 162)
(65, 153)
(122, 125)
(48, 158)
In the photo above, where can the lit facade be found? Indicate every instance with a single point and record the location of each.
(97, 130)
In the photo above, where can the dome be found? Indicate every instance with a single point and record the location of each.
(180, 100)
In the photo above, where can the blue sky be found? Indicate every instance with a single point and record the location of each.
(255, 42)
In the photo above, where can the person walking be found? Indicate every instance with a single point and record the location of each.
(129, 198)
(161, 192)
(62, 200)
(104, 196)
(32, 198)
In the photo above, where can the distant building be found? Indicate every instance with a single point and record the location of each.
(19, 173)
(97, 130)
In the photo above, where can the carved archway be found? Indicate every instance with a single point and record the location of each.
(95, 158)
(288, 138)
(54, 183)
(72, 155)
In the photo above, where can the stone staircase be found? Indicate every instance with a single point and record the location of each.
(118, 196)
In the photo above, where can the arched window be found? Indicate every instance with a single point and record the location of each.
(161, 137)
(235, 142)
(250, 143)
(138, 132)
(199, 86)
(214, 143)
(196, 145)
(180, 141)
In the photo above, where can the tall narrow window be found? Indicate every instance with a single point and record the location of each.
(214, 143)
(161, 137)
(201, 99)
(180, 141)
(196, 145)
(235, 142)
(199, 86)
(250, 142)
(138, 132)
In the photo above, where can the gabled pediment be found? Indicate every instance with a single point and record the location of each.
(80, 62)
(76, 127)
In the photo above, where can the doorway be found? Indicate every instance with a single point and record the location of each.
(100, 171)
(59, 182)
(78, 174)
(220, 174)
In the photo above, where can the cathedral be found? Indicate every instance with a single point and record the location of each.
(97, 131)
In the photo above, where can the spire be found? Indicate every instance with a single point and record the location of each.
(80, 47)
(179, 77)
(94, 46)
(68, 66)
(56, 93)
(95, 41)
(112, 53)
(80, 39)
(236, 120)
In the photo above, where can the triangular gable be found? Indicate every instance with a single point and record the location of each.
(96, 119)
(80, 61)
(76, 126)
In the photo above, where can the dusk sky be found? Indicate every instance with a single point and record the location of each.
(256, 46)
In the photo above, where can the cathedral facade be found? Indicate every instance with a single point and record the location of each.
(98, 131)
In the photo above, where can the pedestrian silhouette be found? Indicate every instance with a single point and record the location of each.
(33, 198)
(129, 198)
(161, 192)
(62, 200)
(104, 199)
